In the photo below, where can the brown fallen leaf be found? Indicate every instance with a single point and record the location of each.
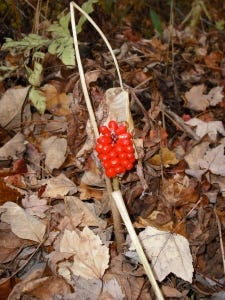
(10, 244)
(165, 158)
(22, 224)
(90, 257)
(55, 152)
(14, 147)
(81, 212)
(8, 193)
(34, 205)
(47, 288)
(10, 107)
(56, 102)
(58, 187)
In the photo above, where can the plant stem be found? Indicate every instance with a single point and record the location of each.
(117, 221)
(117, 196)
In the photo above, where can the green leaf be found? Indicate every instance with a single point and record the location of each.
(156, 21)
(27, 43)
(56, 47)
(67, 56)
(38, 100)
(34, 76)
(60, 28)
(64, 21)
(220, 24)
(88, 8)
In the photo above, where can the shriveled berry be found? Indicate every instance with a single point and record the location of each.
(113, 125)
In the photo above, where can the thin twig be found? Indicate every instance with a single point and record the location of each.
(179, 121)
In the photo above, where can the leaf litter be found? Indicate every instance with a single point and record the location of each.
(56, 211)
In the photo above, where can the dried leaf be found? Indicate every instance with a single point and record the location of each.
(90, 257)
(165, 158)
(117, 101)
(10, 244)
(14, 147)
(55, 151)
(58, 187)
(215, 95)
(34, 205)
(78, 210)
(169, 253)
(11, 104)
(196, 100)
(46, 288)
(57, 103)
(22, 224)
(210, 128)
(7, 193)
(214, 161)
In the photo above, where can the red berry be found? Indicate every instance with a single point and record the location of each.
(113, 125)
(125, 162)
(99, 148)
(104, 140)
(106, 164)
(104, 129)
(114, 161)
(103, 157)
(106, 148)
(121, 129)
(110, 172)
(118, 148)
(122, 155)
(120, 169)
(125, 142)
(130, 156)
(125, 135)
(129, 166)
(112, 153)
(129, 149)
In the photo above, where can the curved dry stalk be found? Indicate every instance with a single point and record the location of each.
(117, 221)
(72, 4)
(122, 208)
(119, 209)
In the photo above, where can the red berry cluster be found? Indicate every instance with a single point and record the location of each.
(115, 149)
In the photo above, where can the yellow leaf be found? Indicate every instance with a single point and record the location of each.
(165, 158)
